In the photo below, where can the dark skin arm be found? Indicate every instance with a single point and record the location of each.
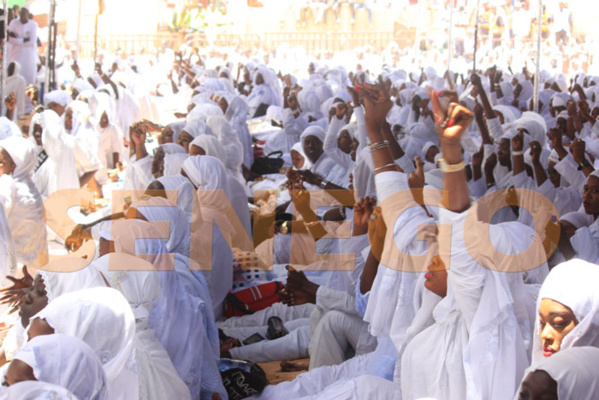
(577, 148)
(106, 79)
(489, 112)
(517, 145)
(456, 195)
(555, 137)
(535, 153)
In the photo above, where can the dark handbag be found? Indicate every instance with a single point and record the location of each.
(268, 164)
(242, 379)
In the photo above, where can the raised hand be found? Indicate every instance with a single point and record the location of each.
(377, 102)
(13, 295)
(451, 122)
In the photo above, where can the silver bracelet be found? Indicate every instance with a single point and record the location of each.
(378, 145)
(385, 166)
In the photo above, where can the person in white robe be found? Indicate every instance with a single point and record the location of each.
(15, 83)
(103, 319)
(62, 360)
(22, 36)
(24, 211)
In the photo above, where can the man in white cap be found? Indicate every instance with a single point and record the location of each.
(22, 35)
(57, 101)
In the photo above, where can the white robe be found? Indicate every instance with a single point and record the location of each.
(25, 53)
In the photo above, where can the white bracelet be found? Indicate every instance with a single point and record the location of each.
(517, 153)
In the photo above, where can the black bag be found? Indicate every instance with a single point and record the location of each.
(268, 164)
(241, 379)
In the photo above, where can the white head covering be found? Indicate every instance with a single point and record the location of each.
(195, 128)
(66, 361)
(57, 96)
(184, 189)
(8, 128)
(572, 284)
(173, 148)
(229, 139)
(36, 390)
(137, 281)
(352, 129)
(576, 218)
(575, 371)
(206, 173)
(173, 163)
(313, 130)
(297, 147)
(211, 146)
(534, 127)
(103, 319)
(59, 283)
(23, 154)
(159, 209)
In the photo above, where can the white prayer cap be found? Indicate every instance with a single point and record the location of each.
(57, 96)
(315, 131)
(578, 219)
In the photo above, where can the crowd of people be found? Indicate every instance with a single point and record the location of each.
(168, 222)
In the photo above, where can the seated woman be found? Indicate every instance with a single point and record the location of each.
(103, 319)
(61, 360)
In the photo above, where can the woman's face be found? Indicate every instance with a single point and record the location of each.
(158, 163)
(431, 153)
(37, 134)
(39, 327)
(313, 148)
(344, 141)
(184, 140)
(196, 151)
(167, 135)
(104, 120)
(259, 79)
(436, 278)
(590, 196)
(7, 165)
(555, 322)
(504, 154)
(34, 300)
(553, 175)
(68, 119)
(18, 371)
(538, 385)
(297, 159)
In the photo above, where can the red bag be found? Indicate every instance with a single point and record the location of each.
(255, 298)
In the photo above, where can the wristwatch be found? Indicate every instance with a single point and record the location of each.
(284, 228)
(583, 164)
(323, 184)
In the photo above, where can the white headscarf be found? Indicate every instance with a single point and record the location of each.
(185, 193)
(175, 224)
(59, 283)
(173, 163)
(103, 319)
(206, 173)
(572, 284)
(195, 127)
(211, 146)
(230, 141)
(8, 128)
(575, 371)
(23, 154)
(300, 149)
(66, 361)
(36, 390)
(140, 284)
